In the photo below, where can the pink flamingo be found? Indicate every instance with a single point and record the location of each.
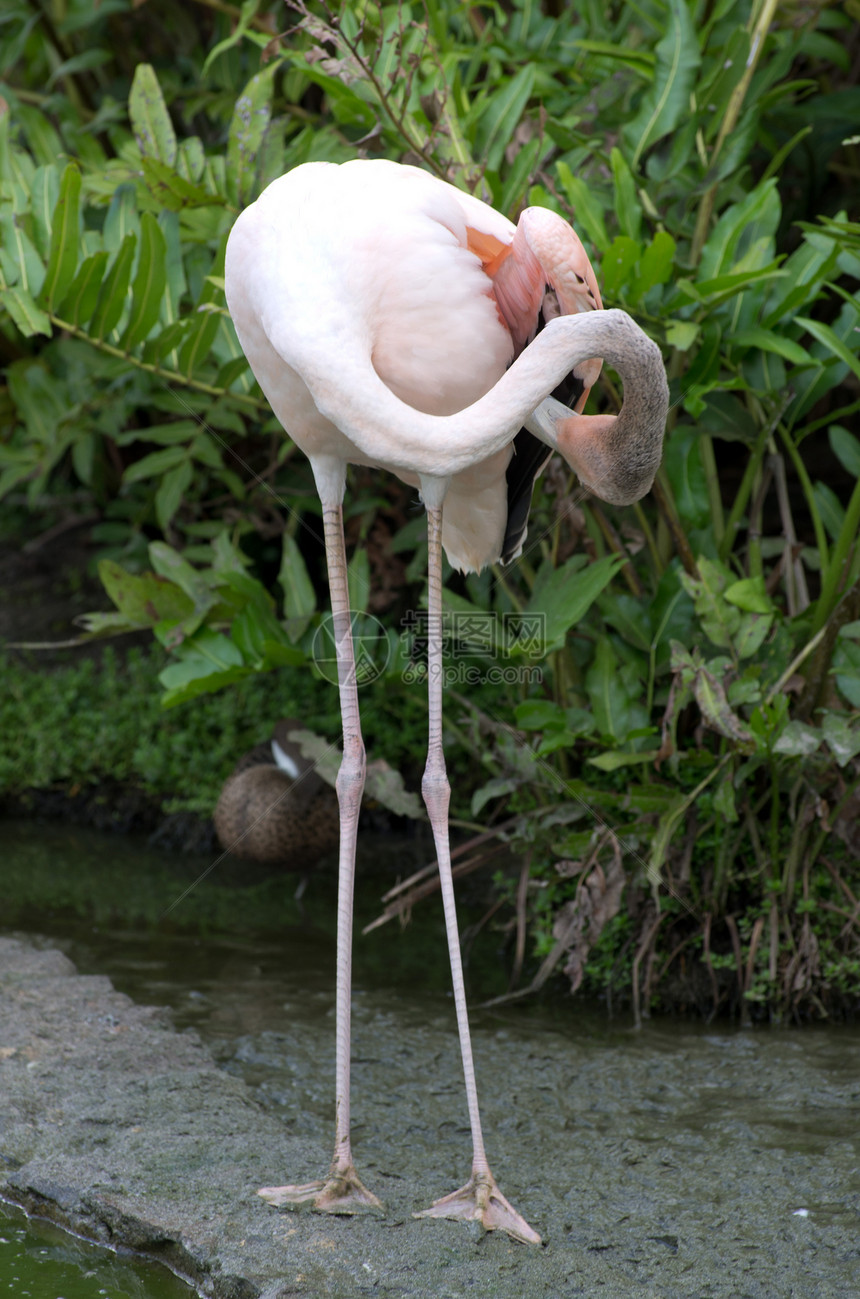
(392, 320)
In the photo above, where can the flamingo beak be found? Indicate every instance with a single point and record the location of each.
(581, 441)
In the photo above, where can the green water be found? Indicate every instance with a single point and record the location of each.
(37, 1261)
(680, 1162)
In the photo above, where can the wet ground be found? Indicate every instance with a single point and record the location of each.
(677, 1161)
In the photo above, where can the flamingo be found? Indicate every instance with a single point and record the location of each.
(394, 321)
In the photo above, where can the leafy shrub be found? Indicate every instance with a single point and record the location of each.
(698, 707)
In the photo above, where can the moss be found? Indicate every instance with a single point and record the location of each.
(101, 721)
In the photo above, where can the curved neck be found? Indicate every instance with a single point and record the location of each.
(390, 433)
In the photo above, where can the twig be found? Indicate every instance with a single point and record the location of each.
(628, 572)
(706, 952)
(754, 942)
(646, 942)
(401, 906)
(65, 525)
(431, 869)
(169, 376)
(796, 590)
(739, 964)
(733, 111)
(669, 514)
(522, 899)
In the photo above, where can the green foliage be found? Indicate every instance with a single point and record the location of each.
(702, 655)
(101, 720)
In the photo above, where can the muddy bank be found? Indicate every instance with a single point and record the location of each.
(651, 1168)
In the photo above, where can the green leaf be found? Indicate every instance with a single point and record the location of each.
(608, 692)
(713, 93)
(28, 317)
(640, 61)
(846, 447)
(205, 663)
(687, 475)
(500, 118)
(300, 599)
(728, 285)
(143, 599)
(587, 210)
(720, 621)
(246, 17)
(199, 338)
(705, 366)
(80, 302)
(752, 633)
(826, 336)
(536, 714)
(496, 788)
(167, 341)
(122, 217)
(628, 209)
(169, 563)
(617, 265)
(842, 738)
(682, 334)
(385, 785)
(346, 105)
(770, 342)
(812, 385)
(806, 270)
(656, 263)
(63, 255)
(114, 291)
(83, 456)
(150, 120)
(44, 195)
(155, 464)
(668, 98)
(724, 800)
(251, 118)
(846, 668)
(567, 594)
(21, 263)
(149, 283)
(613, 759)
(716, 713)
(255, 629)
(358, 580)
(756, 215)
(519, 176)
(628, 616)
(172, 190)
(798, 740)
(83, 62)
(830, 509)
(171, 490)
(750, 595)
(666, 827)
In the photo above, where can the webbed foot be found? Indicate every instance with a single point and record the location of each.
(481, 1200)
(341, 1192)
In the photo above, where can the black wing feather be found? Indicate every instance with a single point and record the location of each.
(527, 463)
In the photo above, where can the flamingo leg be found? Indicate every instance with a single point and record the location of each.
(480, 1199)
(342, 1191)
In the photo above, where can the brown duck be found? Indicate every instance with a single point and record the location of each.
(275, 808)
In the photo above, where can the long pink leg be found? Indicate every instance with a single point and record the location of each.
(480, 1198)
(342, 1191)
